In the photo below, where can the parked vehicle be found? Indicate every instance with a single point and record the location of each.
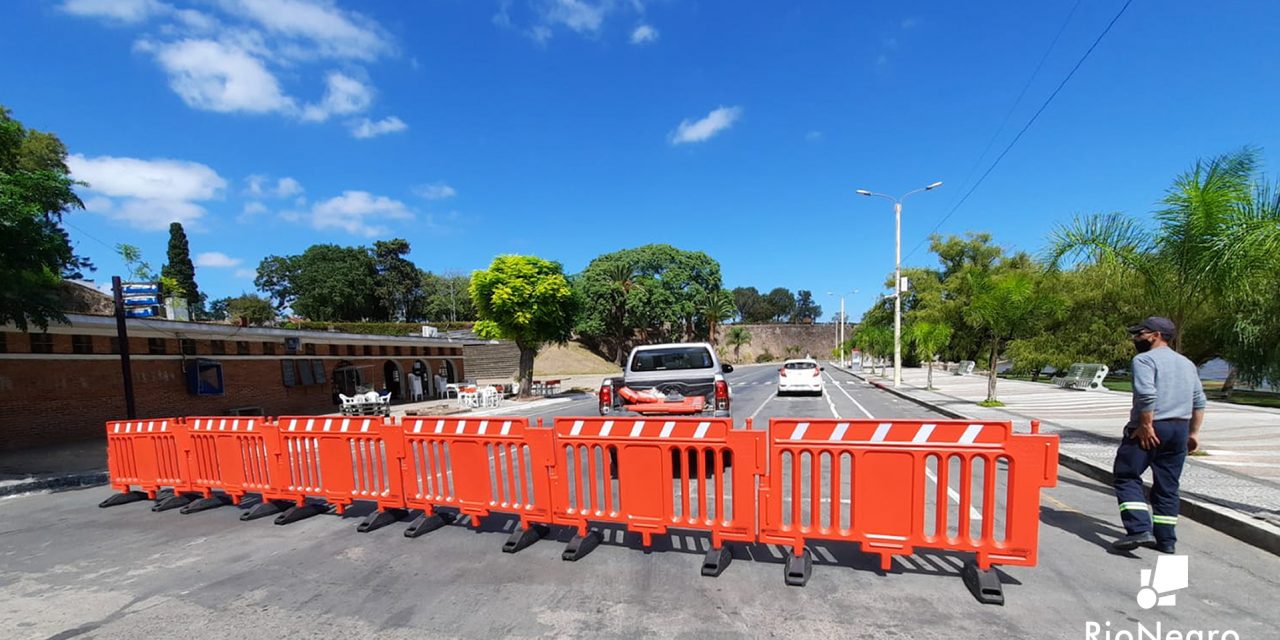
(669, 379)
(802, 375)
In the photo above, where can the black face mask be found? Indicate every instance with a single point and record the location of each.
(1142, 346)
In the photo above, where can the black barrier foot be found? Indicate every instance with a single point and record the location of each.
(300, 512)
(984, 585)
(122, 498)
(265, 508)
(521, 538)
(379, 519)
(580, 546)
(798, 568)
(428, 523)
(716, 561)
(205, 503)
(172, 502)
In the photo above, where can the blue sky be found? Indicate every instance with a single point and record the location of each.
(570, 128)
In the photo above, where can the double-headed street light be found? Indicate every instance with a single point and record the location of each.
(843, 322)
(897, 273)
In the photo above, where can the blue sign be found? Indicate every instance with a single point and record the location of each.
(142, 301)
(142, 312)
(144, 288)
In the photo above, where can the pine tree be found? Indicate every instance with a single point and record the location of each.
(180, 267)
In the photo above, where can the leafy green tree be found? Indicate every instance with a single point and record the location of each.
(325, 282)
(736, 337)
(779, 304)
(874, 341)
(751, 306)
(664, 301)
(526, 300)
(929, 338)
(446, 297)
(805, 311)
(398, 283)
(256, 310)
(180, 270)
(1007, 305)
(36, 190)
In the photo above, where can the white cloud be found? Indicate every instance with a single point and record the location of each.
(366, 128)
(318, 28)
(908, 23)
(644, 33)
(153, 193)
(700, 130)
(357, 212)
(813, 136)
(576, 14)
(216, 260)
(98, 204)
(246, 273)
(437, 191)
(127, 11)
(219, 76)
(146, 179)
(259, 186)
(344, 95)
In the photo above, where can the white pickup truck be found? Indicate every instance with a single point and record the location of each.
(669, 379)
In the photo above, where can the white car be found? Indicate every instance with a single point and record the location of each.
(802, 375)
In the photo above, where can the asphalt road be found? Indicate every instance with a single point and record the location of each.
(70, 569)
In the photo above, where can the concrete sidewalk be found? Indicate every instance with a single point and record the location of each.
(1241, 472)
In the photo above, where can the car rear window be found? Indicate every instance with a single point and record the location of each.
(800, 365)
(672, 359)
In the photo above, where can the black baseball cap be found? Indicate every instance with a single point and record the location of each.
(1155, 324)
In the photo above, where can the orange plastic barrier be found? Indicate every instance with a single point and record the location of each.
(230, 455)
(339, 459)
(894, 485)
(146, 454)
(653, 474)
(478, 465)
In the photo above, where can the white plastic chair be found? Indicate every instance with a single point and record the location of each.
(350, 404)
(490, 397)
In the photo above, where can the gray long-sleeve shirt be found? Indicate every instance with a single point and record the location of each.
(1165, 383)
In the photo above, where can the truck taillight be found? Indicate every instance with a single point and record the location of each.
(606, 398)
(722, 395)
(817, 372)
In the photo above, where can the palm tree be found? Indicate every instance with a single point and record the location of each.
(736, 337)
(622, 277)
(1005, 306)
(874, 340)
(929, 338)
(1186, 260)
(717, 306)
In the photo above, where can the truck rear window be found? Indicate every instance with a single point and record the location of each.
(672, 359)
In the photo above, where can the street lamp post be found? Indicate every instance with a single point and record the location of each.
(840, 330)
(897, 273)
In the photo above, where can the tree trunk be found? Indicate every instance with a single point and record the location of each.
(525, 375)
(1035, 374)
(621, 353)
(991, 373)
(929, 384)
(1229, 384)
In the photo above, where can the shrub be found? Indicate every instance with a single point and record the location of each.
(765, 357)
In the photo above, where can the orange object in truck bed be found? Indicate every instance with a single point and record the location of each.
(692, 404)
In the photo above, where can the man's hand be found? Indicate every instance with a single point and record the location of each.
(1145, 434)
(1192, 443)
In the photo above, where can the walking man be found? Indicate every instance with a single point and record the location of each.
(1168, 407)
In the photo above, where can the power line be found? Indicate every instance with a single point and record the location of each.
(1018, 137)
(1017, 101)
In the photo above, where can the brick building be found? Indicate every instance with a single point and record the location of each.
(65, 383)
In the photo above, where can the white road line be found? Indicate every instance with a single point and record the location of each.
(834, 413)
(846, 394)
(761, 407)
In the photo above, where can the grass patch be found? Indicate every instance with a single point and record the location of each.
(990, 403)
(1118, 385)
(1199, 452)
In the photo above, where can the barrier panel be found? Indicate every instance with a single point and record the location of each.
(233, 455)
(478, 466)
(146, 454)
(653, 474)
(340, 460)
(894, 485)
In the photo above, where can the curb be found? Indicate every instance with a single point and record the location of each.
(1228, 521)
(56, 483)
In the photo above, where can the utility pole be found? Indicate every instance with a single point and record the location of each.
(897, 274)
(122, 337)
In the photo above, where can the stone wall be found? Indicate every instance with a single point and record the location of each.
(816, 340)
